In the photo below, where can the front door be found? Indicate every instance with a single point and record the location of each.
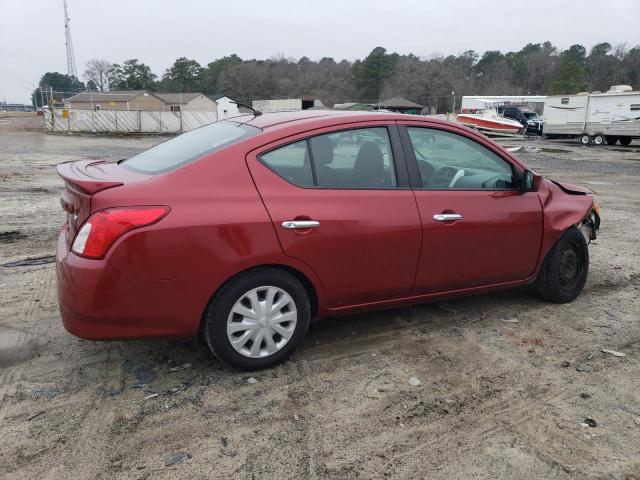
(479, 229)
(339, 205)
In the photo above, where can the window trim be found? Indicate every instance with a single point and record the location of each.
(414, 171)
(397, 151)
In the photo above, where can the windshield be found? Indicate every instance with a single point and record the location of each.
(189, 146)
(531, 115)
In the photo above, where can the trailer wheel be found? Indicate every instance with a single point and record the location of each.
(625, 141)
(611, 140)
(598, 139)
(585, 139)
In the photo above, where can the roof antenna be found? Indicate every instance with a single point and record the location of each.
(256, 113)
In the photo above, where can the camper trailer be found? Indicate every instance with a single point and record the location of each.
(596, 118)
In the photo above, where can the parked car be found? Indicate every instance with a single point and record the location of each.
(245, 230)
(528, 118)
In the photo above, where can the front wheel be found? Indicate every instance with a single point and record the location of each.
(565, 268)
(598, 139)
(585, 139)
(257, 319)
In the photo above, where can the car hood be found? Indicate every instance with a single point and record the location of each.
(572, 189)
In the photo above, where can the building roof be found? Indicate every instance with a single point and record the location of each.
(398, 102)
(113, 96)
(181, 98)
(352, 105)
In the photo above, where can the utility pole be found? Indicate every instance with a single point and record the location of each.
(453, 107)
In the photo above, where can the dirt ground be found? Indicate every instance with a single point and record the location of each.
(506, 381)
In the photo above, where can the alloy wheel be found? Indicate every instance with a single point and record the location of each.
(261, 322)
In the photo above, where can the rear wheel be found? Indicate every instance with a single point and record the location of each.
(598, 139)
(258, 319)
(585, 139)
(565, 268)
(625, 141)
(611, 140)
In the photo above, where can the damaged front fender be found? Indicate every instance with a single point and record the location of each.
(565, 205)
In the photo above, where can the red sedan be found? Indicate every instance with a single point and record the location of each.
(244, 230)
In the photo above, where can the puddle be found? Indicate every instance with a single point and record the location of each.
(555, 150)
(15, 347)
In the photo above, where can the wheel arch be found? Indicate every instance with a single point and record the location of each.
(561, 211)
(310, 287)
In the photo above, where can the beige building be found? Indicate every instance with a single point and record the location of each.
(193, 102)
(116, 100)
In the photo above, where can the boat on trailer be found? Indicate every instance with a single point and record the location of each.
(487, 119)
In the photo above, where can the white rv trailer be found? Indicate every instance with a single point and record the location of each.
(477, 102)
(610, 117)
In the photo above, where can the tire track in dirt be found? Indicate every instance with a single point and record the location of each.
(92, 437)
(41, 295)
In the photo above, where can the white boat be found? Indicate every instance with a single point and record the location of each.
(488, 119)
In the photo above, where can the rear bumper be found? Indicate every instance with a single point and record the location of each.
(100, 302)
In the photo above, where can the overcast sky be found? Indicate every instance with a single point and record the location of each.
(156, 33)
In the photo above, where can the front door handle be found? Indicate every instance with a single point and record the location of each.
(447, 217)
(293, 224)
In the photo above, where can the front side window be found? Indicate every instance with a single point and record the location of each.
(357, 159)
(189, 146)
(448, 160)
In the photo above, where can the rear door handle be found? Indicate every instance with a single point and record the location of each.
(293, 224)
(447, 217)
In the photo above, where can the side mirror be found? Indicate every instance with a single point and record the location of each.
(530, 181)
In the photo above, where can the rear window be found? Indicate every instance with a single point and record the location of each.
(189, 146)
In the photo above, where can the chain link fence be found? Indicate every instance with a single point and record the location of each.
(125, 121)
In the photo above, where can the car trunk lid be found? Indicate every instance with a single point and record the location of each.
(85, 178)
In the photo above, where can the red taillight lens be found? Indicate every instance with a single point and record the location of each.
(103, 228)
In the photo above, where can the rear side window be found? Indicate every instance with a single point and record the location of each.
(358, 159)
(292, 163)
(189, 146)
(350, 159)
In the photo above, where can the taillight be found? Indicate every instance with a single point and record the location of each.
(104, 227)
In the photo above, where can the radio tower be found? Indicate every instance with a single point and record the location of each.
(71, 59)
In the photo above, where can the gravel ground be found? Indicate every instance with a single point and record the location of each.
(503, 382)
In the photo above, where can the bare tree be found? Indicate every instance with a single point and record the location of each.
(100, 72)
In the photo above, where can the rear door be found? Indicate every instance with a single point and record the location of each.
(479, 229)
(340, 202)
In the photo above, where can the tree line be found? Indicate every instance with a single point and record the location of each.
(536, 69)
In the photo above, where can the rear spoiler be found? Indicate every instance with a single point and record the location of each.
(75, 173)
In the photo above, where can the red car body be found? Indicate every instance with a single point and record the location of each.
(375, 249)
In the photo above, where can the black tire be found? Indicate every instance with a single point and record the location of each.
(585, 139)
(625, 141)
(219, 309)
(598, 139)
(611, 140)
(565, 268)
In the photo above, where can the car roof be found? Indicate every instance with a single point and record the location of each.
(272, 121)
